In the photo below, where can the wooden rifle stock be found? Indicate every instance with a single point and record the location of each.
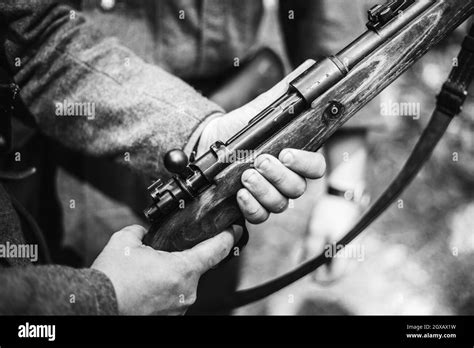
(216, 208)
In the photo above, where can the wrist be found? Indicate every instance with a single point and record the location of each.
(202, 135)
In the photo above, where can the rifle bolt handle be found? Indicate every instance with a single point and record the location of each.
(176, 162)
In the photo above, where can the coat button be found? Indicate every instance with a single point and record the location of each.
(107, 5)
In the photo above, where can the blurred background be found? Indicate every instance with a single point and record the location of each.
(417, 258)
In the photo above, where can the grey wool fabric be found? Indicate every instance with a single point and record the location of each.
(140, 109)
(47, 289)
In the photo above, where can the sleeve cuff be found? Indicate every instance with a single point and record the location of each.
(101, 286)
(193, 140)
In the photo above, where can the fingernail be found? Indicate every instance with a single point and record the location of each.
(262, 164)
(248, 176)
(287, 158)
(243, 196)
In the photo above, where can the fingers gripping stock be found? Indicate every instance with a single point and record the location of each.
(199, 201)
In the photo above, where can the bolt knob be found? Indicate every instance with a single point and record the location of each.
(176, 162)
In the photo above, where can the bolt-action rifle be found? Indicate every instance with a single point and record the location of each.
(199, 201)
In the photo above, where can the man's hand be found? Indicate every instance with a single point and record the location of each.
(147, 281)
(268, 187)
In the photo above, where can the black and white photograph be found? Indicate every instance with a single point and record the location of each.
(236, 170)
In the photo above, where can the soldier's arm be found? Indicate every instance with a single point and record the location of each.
(56, 290)
(61, 61)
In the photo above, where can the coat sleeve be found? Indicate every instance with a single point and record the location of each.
(131, 111)
(55, 290)
(38, 290)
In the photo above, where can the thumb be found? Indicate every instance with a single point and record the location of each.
(209, 253)
(132, 235)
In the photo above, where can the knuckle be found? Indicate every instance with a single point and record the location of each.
(189, 273)
(250, 209)
(191, 299)
(258, 216)
(186, 271)
(279, 177)
(261, 191)
(253, 210)
(118, 236)
(175, 281)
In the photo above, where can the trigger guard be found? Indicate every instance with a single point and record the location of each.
(241, 243)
